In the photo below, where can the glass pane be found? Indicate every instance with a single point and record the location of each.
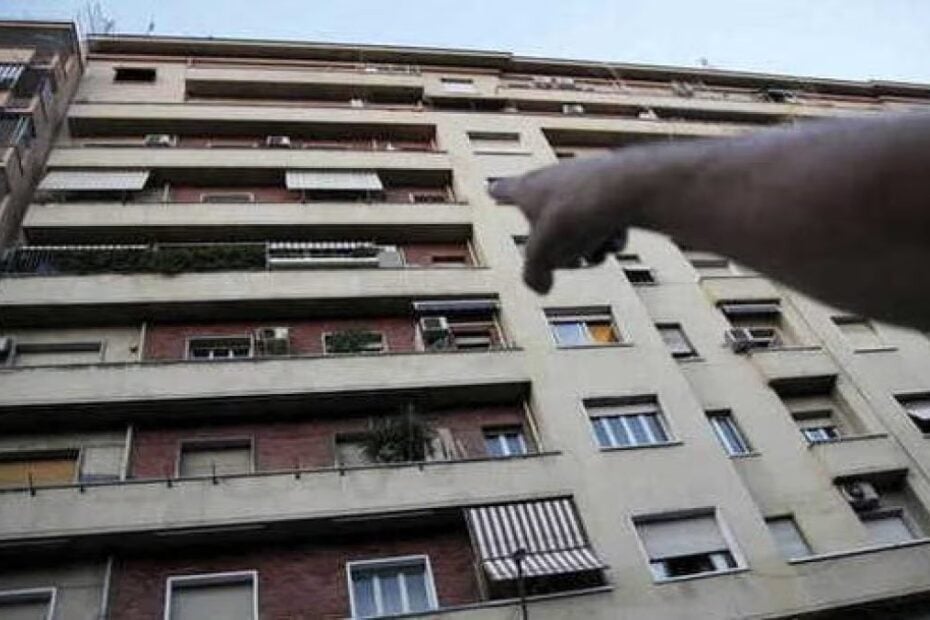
(655, 425)
(621, 436)
(515, 443)
(417, 597)
(364, 592)
(492, 445)
(391, 602)
(570, 334)
(600, 431)
(638, 429)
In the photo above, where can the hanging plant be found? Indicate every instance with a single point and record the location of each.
(402, 438)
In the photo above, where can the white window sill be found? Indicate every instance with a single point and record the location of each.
(664, 444)
(917, 542)
(717, 573)
(845, 439)
(880, 349)
(745, 455)
(608, 345)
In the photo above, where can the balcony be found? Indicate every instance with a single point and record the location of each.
(859, 454)
(780, 364)
(263, 377)
(168, 259)
(227, 501)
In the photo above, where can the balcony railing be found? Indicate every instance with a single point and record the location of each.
(191, 258)
(16, 131)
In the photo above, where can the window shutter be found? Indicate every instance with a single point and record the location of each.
(888, 529)
(788, 538)
(677, 537)
(101, 462)
(24, 610)
(230, 601)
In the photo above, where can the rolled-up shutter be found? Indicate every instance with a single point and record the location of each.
(229, 601)
(452, 306)
(101, 462)
(548, 531)
(680, 537)
(94, 180)
(333, 180)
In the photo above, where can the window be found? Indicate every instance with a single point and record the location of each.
(134, 74)
(729, 433)
(391, 586)
(220, 197)
(820, 412)
(218, 348)
(429, 197)
(788, 537)
(634, 270)
(685, 546)
(858, 332)
(57, 353)
(231, 596)
(503, 442)
(215, 457)
(23, 469)
(491, 142)
(713, 267)
(28, 604)
(887, 527)
(458, 85)
(761, 323)
(676, 340)
(918, 410)
(820, 432)
(628, 423)
(472, 333)
(572, 328)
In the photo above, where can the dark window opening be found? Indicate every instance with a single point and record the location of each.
(134, 74)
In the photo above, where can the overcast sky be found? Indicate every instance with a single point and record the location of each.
(859, 39)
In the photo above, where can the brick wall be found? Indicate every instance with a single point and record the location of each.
(299, 582)
(307, 443)
(167, 341)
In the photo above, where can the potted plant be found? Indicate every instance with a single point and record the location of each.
(401, 438)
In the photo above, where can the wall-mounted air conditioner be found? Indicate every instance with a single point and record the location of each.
(160, 139)
(860, 494)
(273, 340)
(278, 142)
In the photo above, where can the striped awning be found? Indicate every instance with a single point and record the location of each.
(93, 180)
(453, 306)
(333, 180)
(9, 73)
(548, 531)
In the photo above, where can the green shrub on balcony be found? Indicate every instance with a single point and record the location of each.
(403, 438)
(353, 341)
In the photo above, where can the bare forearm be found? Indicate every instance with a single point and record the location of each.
(840, 210)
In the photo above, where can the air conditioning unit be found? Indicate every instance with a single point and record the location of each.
(278, 142)
(273, 340)
(572, 108)
(860, 494)
(740, 339)
(435, 332)
(6, 348)
(356, 102)
(160, 139)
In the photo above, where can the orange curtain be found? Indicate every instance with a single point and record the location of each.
(44, 471)
(602, 332)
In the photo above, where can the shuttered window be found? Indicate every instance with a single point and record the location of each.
(788, 538)
(887, 528)
(333, 180)
(683, 546)
(676, 340)
(858, 332)
(94, 181)
(31, 604)
(230, 596)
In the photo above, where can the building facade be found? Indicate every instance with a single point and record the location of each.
(266, 354)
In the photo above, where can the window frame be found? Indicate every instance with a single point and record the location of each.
(49, 593)
(691, 353)
(47, 454)
(735, 429)
(388, 562)
(217, 443)
(501, 432)
(733, 549)
(191, 339)
(651, 407)
(220, 578)
(583, 317)
(904, 400)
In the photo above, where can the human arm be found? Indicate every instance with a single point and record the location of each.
(838, 209)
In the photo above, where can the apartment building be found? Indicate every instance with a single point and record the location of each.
(266, 354)
(40, 65)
